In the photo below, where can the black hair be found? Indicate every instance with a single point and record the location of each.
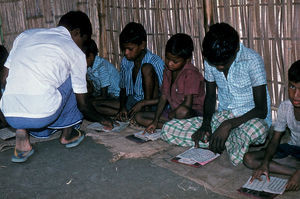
(3, 55)
(180, 45)
(76, 19)
(133, 33)
(220, 43)
(294, 72)
(90, 47)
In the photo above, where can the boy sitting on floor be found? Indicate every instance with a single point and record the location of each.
(182, 88)
(243, 115)
(288, 115)
(140, 76)
(102, 76)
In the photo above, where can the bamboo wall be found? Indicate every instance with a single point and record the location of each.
(271, 27)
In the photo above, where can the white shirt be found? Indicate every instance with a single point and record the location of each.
(286, 118)
(39, 62)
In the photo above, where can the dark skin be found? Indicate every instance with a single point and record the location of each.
(218, 138)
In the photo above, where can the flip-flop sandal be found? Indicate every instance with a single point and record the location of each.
(21, 156)
(77, 141)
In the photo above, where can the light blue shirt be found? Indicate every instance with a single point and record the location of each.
(126, 75)
(235, 93)
(104, 74)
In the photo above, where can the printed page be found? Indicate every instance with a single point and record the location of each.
(148, 136)
(276, 185)
(7, 133)
(99, 127)
(202, 156)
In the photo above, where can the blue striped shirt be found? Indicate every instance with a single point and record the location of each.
(104, 74)
(235, 93)
(126, 74)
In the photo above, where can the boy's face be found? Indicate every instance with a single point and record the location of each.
(294, 93)
(132, 51)
(90, 60)
(173, 62)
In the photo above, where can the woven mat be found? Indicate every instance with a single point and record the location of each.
(219, 176)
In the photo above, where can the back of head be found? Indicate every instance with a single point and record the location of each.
(90, 47)
(3, 55)
(180, 45)
(294, 72)
(133, 33)
(220, 43)
(76, 19)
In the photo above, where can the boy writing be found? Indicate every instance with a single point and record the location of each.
(44, 69)
(182, 88)
(102, 76)
(140, 75)
(243, 116)
(288, 116)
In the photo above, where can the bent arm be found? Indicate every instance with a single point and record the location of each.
(209, 103)
(259, 111)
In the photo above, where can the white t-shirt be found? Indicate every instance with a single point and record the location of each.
(39, 62)
(286, 118)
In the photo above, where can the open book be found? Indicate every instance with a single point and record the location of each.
(141, 136)
(99, 127)
(264, 189)
(196, 157)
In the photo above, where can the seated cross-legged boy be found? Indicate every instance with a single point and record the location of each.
(140, 76)
(288, 115)
(243, 116)
(182, 88)
(102, 76)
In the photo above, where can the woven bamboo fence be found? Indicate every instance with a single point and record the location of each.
(271, 27)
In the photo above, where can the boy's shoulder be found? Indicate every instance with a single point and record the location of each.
(286, 104)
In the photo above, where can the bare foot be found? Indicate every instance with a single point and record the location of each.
(294, 182)
(69, 135)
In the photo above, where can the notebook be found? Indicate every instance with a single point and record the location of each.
(195, 157)
(264, 189)
(141, 136)
(99, 127)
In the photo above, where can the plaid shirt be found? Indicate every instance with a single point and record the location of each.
(126, 75)
(103, 74)
(235, 93)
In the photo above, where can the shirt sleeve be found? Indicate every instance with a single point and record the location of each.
(257, 71)
(78, 75)
(281, 122)
(208, 74)
(12, 51)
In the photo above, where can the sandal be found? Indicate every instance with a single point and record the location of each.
(21, 156)
(77, 141)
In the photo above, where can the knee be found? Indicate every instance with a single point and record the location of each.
(249, 160)
(138, 117)
(182, 112)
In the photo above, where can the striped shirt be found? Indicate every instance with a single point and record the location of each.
(104, 74)
(235, 93)
(126, 75)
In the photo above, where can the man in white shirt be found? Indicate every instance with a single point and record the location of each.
(44, 69)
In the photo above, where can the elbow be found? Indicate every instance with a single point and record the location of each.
(263, 112)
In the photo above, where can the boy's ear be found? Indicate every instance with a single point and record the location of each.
(75, 32)
(143, 45)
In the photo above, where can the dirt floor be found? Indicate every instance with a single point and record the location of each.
(87, 172)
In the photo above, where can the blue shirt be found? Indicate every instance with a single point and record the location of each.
(126, 74)
(103, 74)
(235, 93)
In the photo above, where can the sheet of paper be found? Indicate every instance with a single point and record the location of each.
(276, 185)
(148, 136)
(7, 133)
(199, 155)
(99, 127)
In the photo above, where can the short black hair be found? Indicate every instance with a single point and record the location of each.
(220, 43)
(90, 47)
(294, 72)
(180, 45)
(133, 33)
(3, 55)
(77, 19)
